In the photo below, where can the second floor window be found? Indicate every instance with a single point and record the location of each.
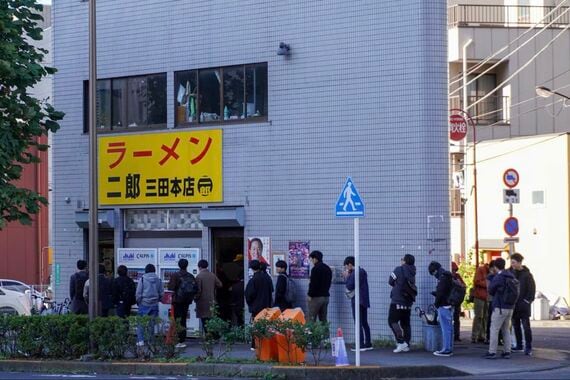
(131, 102)
(222, 94)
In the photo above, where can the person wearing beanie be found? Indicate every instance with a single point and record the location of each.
(402, 280)
(444, 309)
(456, 310)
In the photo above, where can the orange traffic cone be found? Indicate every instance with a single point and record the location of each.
(339, 351)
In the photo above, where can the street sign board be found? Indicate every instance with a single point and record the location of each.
(457, 127)
(511, 226)
(511, 178)
(511, 196)
(511, 239)
(349, 203)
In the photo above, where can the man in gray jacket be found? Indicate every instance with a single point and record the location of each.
(148, 294)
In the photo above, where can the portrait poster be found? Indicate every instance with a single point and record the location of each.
(276, 256)
(259, 248)
(299, 259)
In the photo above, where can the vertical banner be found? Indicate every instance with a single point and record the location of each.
(299, 259)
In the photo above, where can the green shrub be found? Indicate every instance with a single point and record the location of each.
(112, 337)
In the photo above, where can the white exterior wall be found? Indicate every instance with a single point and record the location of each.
(542, 163)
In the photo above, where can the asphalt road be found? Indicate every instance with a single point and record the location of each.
(556, 374)
(53, 376)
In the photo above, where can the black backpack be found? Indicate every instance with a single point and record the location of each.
(457, 294)
(187, 289)
(410, 290)
(511, 291)
(128, 292)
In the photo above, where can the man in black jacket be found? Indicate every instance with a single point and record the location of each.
(281, 286)
(444, 309)
(521, 313)
(401, 302)
(181, 300)
(319, 287)
(123, 292)
(259, 290)
(76, 286)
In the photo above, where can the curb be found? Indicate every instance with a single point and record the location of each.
(229, 370)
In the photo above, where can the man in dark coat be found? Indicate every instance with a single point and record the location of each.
(123, 292)
(180, 304)
(76, 286)
(319, 288)
(259, 289)
(401, 302)
(444, 308)
(365, 339)
(521, 313)
(281, 286)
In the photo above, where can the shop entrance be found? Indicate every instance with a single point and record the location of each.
(228, 264)
(106, 252)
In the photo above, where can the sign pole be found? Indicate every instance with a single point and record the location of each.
(511, 243)
(357, 289)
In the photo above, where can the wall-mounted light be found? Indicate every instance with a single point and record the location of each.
(545, 92)
(284, 49)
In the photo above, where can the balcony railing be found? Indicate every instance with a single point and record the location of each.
(492, 110)
(505, 15)
(456, 206)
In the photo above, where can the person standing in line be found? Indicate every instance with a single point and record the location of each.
(105, 292)
(184, 286)
(364, 304)
(502, 311)
(492, 273)
(521, 313)
(319, 288)
(208, 282)
(281, 286)
(456, 310)
(76, 286)
(444, 308)
(402, 279)
(124, 289)
(258, 292)
(148, 294)
(480, 304)
(237, 301)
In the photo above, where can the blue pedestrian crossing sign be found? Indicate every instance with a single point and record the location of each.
(349, 203)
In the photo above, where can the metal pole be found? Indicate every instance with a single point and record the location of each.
(475, 191)
(93, 204)
(465, 101)
(357, 290)
(511, 243)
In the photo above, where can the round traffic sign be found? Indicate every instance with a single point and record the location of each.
(511, 178)
(457, 127)
(511, 226)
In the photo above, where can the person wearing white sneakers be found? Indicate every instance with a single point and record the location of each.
(403, 294)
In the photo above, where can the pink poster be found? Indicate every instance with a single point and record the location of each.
(299, 259)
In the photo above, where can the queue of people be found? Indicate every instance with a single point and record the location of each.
(502, 298)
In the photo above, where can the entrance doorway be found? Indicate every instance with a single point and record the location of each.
(228, 264)
(106, 254)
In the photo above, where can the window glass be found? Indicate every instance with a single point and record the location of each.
(119, 103)
(234, 106)
(209, 94)
(186, 95)
(156, 91)
(256, 90)
(137, 102)
(103, 104)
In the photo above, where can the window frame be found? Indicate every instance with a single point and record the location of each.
(115, 129)
(221, 121)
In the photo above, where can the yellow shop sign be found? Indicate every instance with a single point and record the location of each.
(158, 168)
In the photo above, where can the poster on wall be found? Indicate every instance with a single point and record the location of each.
(276, 256)
(258, 248)
(299, 259)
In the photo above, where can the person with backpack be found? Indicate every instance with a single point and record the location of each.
(105, 293)
(521, 312)
(443, 305)
(184, 286)
(124, 289)
(504, 288)
(207, 282)
(481, 307)
(148, 294)
(76, 286)
(457, 308)
(285, 287)
(402, 297)
(364, 304)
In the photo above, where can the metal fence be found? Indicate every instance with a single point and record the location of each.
(506, 15)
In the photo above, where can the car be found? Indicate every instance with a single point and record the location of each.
(18, 286)
(14, 303)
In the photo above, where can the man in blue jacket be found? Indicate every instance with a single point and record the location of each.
(365, 340)
(401, 302)
(502, 310)
(444, 308)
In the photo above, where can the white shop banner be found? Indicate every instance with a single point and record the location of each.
(136, 257)
(168, 257)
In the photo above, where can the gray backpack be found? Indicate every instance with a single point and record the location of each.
(290, 292)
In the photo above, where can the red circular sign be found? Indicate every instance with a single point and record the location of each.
(457, 127)
(511, 178)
